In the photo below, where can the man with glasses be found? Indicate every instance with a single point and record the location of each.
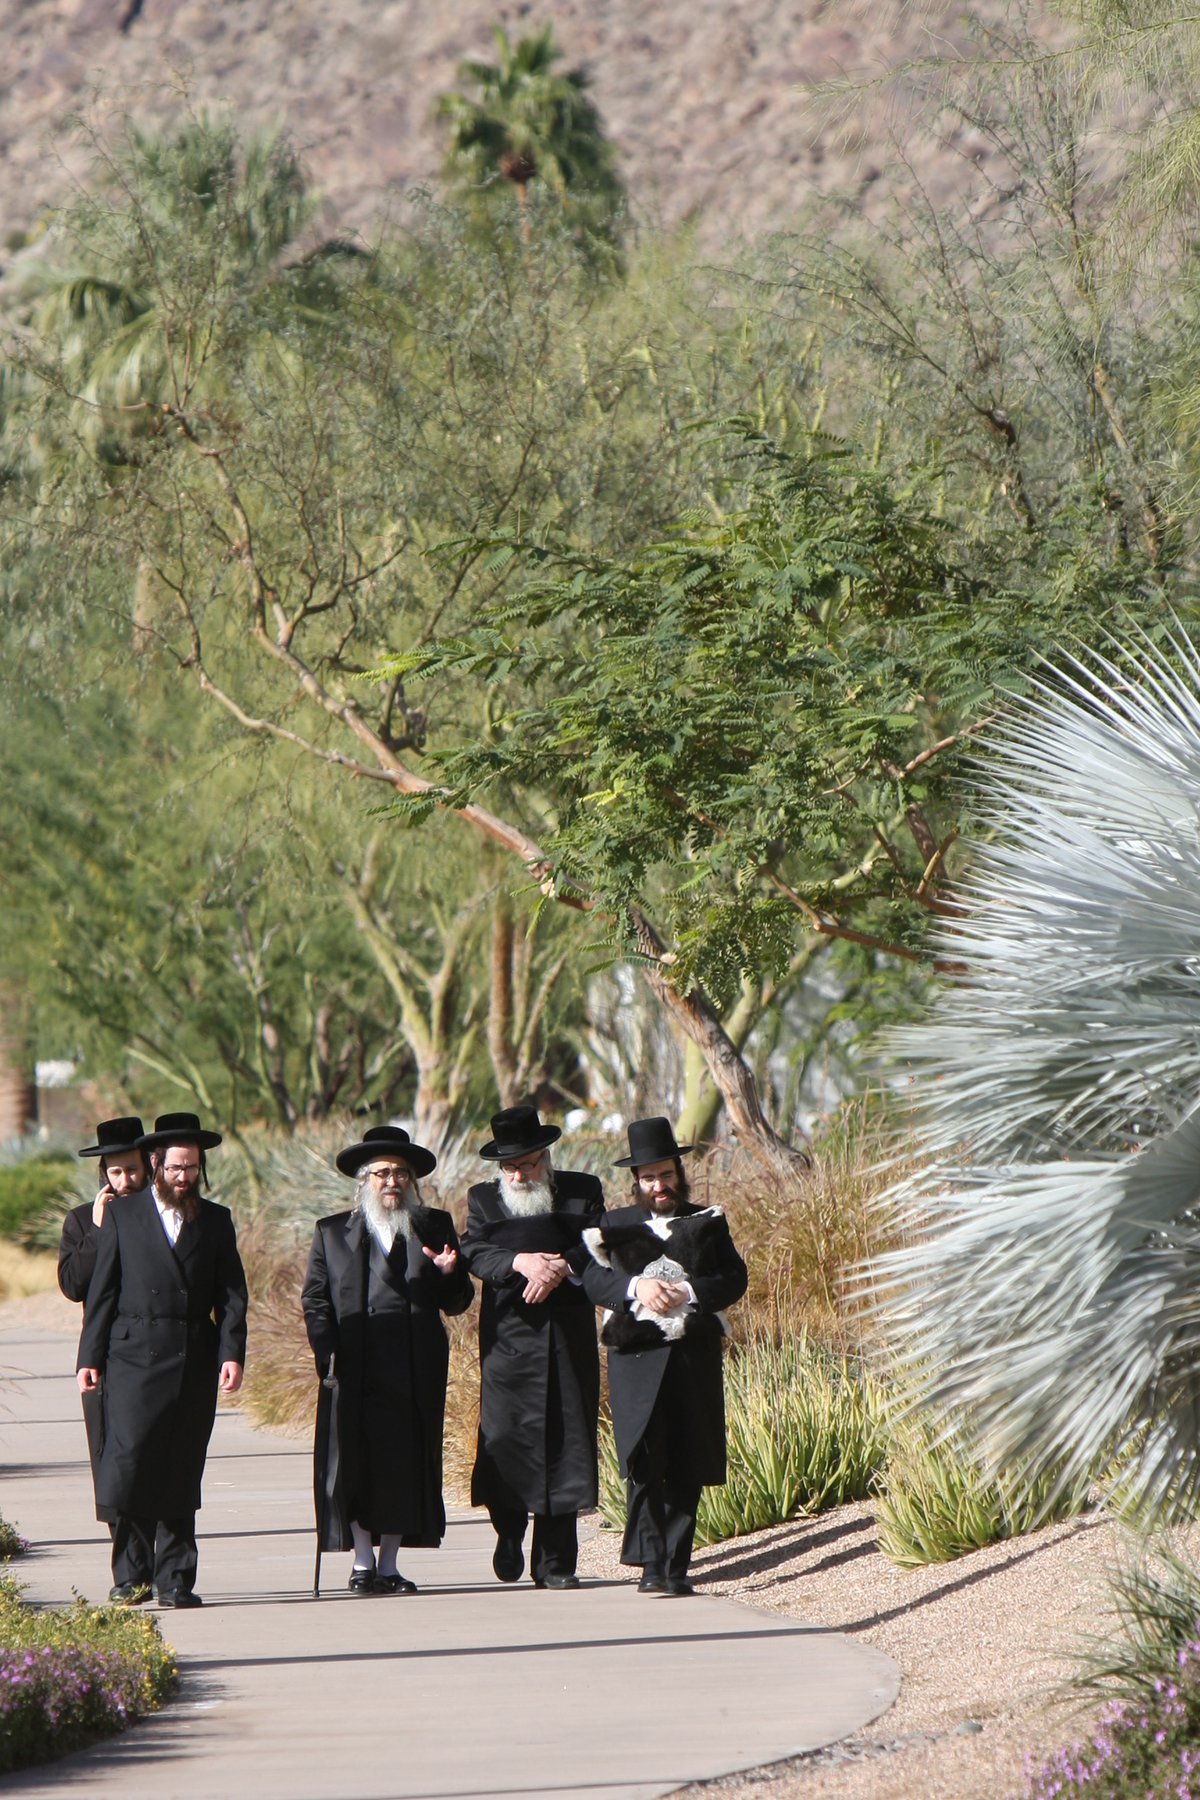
(665, 1270)
(538, 1361)
(379, 1279)
(164, 1326)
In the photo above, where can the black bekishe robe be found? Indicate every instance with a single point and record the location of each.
(159, 1322)
(539, 1366)
(380, 1318)
(639, 1356)
(77, 1251)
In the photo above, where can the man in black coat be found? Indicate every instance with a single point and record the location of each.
(379, 1279)
(538, 1361)
(163, 1327)
(665, 1269)
(123, 1170)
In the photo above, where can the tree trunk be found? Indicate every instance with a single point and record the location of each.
(500, 1022)
(18, 1096)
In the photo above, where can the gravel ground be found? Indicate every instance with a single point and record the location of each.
(983, 1644)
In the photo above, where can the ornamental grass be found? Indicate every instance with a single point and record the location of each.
(804, 1432)
(69, 1674)
(936, 1504)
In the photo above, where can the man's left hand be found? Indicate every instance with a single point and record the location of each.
(445, 1260)
(231, 1377)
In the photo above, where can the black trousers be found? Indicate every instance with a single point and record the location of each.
(661, 1497)
(158, 1553)
(555, 1547)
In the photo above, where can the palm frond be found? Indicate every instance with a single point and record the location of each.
(1047, 1299)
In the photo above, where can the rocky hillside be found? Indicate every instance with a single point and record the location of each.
(710, 103)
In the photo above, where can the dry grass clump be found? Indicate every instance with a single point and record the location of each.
(803, 1233)
(25, 1272)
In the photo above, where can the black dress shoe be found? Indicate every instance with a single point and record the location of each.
(653, 1580)
(179, 1599)
(362, 1581)
(130, 1593)
(508, 1559)
(394, 1584)
(556, 1581)
(678, 1587)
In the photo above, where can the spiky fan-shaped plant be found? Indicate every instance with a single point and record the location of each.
(1047, 1301)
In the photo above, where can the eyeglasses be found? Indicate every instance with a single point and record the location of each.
(528, 1165)
(385, 1177)
(181, 1168)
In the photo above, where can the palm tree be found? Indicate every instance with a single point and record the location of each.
(1046, 1304)
(523, 121)
(217, 218)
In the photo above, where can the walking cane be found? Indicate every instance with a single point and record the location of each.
(329, 1382)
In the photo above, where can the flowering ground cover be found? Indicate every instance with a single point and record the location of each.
(1147, 1749)
(72, 1673)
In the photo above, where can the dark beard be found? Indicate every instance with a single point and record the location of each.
(187, 1204)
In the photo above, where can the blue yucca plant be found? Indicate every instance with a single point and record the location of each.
(1045, 1300)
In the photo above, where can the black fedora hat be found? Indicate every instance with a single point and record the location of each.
(517, 1131)
(385, 1140)
(115, 1135)
(178, 1128)
(650, 1140)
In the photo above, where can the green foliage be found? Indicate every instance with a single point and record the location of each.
(11, 1542)
(69, 1674)
(520, 122)
(805, 1432)
(937, 1504)
(756, 720)
(28, 1188)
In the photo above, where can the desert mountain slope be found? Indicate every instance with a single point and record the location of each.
(707, 101)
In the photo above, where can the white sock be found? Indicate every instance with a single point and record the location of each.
(364, 1551)
(389, 1549)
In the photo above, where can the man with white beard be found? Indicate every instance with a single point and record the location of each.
(164, 1325)
(379, 1279)
(539, 1366)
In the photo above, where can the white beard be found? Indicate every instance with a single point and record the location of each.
(526, 1200)
(385, 1227)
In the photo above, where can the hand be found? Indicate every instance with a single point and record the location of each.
(231, 1377)
(543, 1271)
(445, 1260)
(660, 1297)
(87, 1380)
(100, 1206)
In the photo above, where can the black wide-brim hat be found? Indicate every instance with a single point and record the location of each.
(178, 1128)
(651, 1140)
(517, 1131)
(113, 1136)
(385, 1140)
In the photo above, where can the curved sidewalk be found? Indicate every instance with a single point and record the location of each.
(466, 1689)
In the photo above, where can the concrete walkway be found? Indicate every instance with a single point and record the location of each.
(468, 1688)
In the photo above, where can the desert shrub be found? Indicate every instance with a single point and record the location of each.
(804, 1430)
(68, 1673)
(937, 1504)
(28, 1189)
(11, 1541)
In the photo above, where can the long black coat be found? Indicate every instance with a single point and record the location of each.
(386, 1331)
(539, 1366)
(636, 1371)
(158, 1323)
(76, 1264)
